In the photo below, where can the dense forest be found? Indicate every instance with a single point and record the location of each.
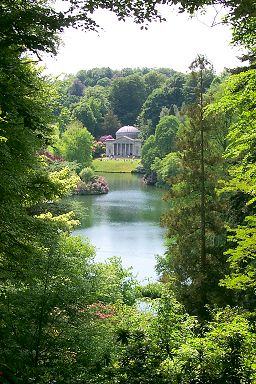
(65, 318)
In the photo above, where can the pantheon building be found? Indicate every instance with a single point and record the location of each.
(126, 144)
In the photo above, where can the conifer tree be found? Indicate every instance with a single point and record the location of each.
(196, 234)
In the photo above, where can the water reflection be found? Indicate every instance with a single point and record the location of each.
(125, 223)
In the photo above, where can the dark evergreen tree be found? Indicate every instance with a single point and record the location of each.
(195, 223)
(110, 123)
(76, 88)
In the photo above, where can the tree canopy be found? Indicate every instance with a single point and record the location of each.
(34, 26)
(65, 318)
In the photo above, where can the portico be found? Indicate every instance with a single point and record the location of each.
(123, 149)
(123, 145)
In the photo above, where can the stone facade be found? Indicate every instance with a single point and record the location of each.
(126, 143)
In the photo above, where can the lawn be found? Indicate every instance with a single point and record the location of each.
(115, 165)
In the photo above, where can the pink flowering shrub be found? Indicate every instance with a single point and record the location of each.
(101, 311)
(98, 149)
(105, 137)
(96, 186)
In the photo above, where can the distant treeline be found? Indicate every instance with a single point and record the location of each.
(103, 99)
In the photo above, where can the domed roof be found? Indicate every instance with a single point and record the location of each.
(129, 131)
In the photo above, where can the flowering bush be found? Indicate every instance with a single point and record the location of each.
(105, 137)
(98, 149)
(97, 185)
(102, 311)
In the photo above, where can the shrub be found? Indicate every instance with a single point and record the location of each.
(98, 149)
(95, 187)
(152, 290)
(87, 174)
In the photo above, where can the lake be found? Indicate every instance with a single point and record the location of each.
(125, 223)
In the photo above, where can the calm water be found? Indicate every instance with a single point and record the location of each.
(125, 223)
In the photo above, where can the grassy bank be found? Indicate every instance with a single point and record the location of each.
(115, 165)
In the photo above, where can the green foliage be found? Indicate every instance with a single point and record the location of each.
(116, 284)
(84, 114)
(65, 99)
(157, 146)
(26, 104)
(167, 168)
(48, 300)
(242, 257)
(164, 345)
(190, 88)
(152, 290)
(76, 88)
(63, 303)
(239, 98)
(195, 223)
(154, 79)
(127, 96)
(89, 108)
(87, 174)
(168, 95)
(55, 302)
(47, 277)
(110, 123)
(132, 95)
(76, 144)
(223, 354)
(165, 135)
(92, 77)
(241, 16)
(148, 153)
(63, 181)
(98, 106)
(144, 339)
(97, 98)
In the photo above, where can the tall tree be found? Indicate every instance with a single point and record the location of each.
(239, 100)
(200, 64)
(76, 144)
(153, 80)
(127, 96)
(76, 88)
(110, 123)
(26, 102)
(165, 135)
(169, 95)
(91, 108)
(159, 145)
(83, 112)
(29, 243)
(195, 222)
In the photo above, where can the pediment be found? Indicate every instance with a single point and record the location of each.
(124, 139)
